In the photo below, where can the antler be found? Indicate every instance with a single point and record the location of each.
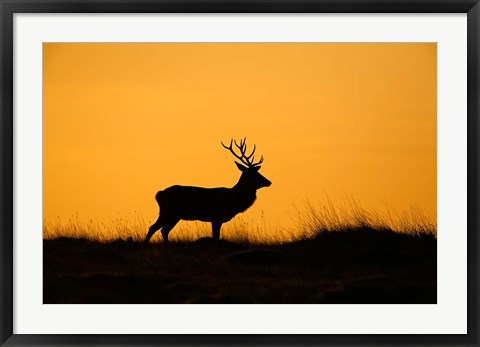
(248, 160)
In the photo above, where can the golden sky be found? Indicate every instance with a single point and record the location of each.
(122, 121)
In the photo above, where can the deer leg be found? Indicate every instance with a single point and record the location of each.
(167, 227)
(216, 230)
(153, 229)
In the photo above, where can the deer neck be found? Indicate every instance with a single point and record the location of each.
(243, 189)
(243, 195)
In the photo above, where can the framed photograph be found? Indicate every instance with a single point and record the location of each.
(239, 173)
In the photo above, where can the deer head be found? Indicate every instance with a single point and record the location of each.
(251, 178)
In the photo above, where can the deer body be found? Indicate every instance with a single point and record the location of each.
(205, 204)
(214, 205)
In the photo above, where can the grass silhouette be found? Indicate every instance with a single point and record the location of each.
(310, 220)
(339, 256)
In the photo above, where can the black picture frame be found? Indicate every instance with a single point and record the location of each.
(10, 7)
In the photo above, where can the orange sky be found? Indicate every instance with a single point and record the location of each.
(122, 121)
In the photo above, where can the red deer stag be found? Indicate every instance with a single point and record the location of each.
(214, 205)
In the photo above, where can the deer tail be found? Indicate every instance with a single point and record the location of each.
(159, 197)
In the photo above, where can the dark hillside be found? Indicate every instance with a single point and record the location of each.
(353, 266)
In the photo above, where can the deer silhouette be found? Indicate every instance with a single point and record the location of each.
(214, 205)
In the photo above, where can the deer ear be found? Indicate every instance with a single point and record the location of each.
(257, 168)
(241, 167)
